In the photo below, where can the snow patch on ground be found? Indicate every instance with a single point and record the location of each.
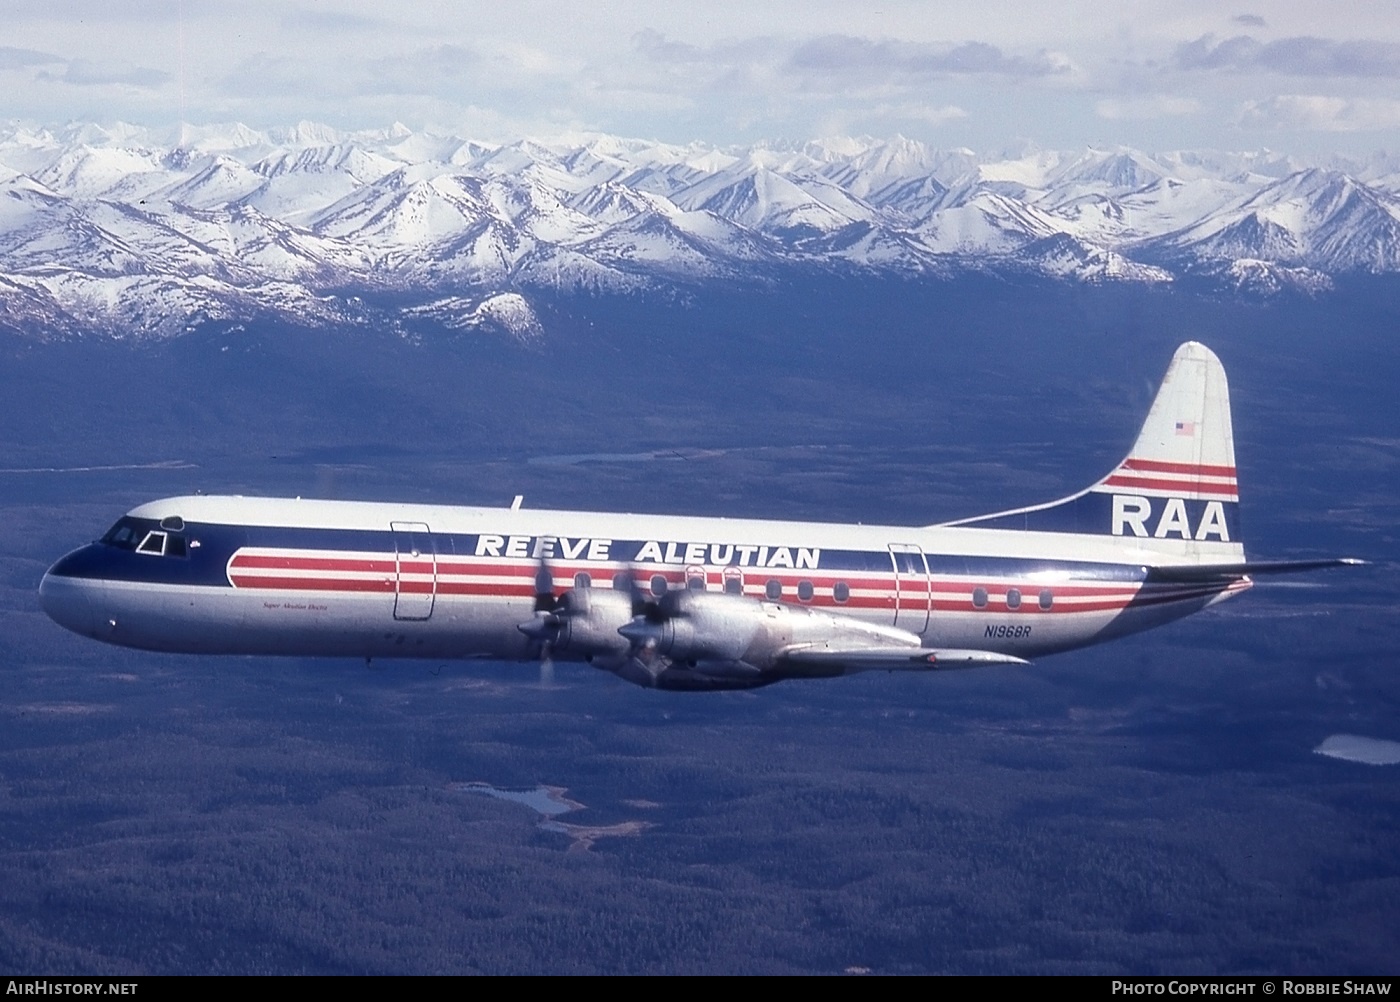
(1354, 748)
(507, 311)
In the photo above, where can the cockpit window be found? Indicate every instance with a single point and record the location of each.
(125, 534)
(154, 544)
(142, 536)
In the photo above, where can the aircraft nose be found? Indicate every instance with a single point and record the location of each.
(69, 601)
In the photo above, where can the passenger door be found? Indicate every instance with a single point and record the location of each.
(415, 570)
(913, 592)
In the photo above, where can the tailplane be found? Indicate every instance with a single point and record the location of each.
(1176, 491)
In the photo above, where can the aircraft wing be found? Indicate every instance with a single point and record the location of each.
(824, 659)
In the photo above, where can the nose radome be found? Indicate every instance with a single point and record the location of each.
(68, 602)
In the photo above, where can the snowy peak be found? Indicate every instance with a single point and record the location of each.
(789, 209)
(128, 230)
(1317, 218)
(985, 222)
(1125, 170)
(222, 182)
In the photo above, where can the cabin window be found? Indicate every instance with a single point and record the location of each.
(805, 591)
(695, 578)
(154, 544)
(658, 585)
(622, 581)
(1013, 598)
(582, 580)
(1047, 598)
(979, 598)
(842, 592)
(773, 589)
(733, 581)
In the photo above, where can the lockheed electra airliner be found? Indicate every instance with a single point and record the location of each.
(686, 603)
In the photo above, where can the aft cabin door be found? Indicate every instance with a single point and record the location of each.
(913, 593)
(415, 570)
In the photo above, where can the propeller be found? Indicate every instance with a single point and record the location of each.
(544, 627)
(650, 613)
(583, 619)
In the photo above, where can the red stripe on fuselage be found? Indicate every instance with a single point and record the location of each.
(384, 585)
(250, 561)
(515, 580)
(908, 601)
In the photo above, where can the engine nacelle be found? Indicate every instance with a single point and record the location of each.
(701, 626)
(588, 620)
(714, 628)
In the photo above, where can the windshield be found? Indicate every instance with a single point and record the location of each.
(143, 535)
(126, 533)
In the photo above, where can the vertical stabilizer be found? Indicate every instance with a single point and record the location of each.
(1177, 486)
(1186, 447)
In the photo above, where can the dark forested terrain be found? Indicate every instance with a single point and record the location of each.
(1153, 805)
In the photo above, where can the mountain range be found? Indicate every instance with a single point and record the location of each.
(129, 232)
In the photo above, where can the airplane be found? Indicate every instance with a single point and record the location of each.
(687, 603)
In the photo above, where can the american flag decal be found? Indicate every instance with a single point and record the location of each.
(1187, 428)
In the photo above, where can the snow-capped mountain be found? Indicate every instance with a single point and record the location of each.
(123, 230)
(1316, 218)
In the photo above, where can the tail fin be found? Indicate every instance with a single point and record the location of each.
(1176, 487)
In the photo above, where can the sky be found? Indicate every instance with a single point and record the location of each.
(1291, 75)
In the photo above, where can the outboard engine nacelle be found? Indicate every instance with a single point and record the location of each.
(712, 627)
(696, 626)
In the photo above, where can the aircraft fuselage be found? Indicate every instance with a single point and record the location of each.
(270, 576)
(684, 602)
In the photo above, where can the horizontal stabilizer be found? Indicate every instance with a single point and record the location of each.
(896, 658)
(1250, 568)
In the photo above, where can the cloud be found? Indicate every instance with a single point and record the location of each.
(263, 74)
(442, 71)
(842, 120)
(927, 113)
(1146, 107)
(884, 116)
(13, 59)
(1250, 20)
(1321, 113)
(844, 57)
(86, 73)
(332, 22)
(426, 71)
(846, 53)
(657, 47)
(1303, 55)
(746, 57)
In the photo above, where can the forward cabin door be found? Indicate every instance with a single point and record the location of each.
(415, 570)
(913, 591)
